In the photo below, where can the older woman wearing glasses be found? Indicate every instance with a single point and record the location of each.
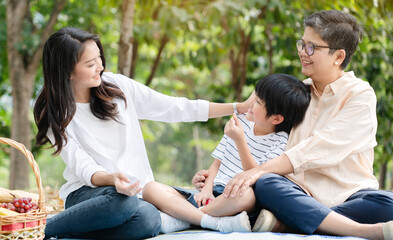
(324, 181)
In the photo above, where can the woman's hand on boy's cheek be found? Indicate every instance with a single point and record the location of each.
(244, 106)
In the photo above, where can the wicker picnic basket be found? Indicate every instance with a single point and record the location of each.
(29, 225)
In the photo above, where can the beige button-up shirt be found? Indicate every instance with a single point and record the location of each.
(331, 151)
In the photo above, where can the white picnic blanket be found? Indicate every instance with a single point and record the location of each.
(212, 235)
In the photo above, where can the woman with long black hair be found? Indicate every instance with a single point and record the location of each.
(91, 118)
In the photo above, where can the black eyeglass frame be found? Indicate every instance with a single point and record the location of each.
(313, 46)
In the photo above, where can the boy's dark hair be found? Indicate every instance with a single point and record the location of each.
(285, 95)
(338, 29)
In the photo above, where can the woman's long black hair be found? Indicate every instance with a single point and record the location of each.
(55, 106)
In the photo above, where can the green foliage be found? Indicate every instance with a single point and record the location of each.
(195, 63)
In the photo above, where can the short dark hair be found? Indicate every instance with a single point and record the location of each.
(285, 95)
(338, 29)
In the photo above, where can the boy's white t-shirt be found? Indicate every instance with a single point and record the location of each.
(262, 148)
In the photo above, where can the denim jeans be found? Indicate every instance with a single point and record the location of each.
(190, 193)
(103, 213)
(292, 206)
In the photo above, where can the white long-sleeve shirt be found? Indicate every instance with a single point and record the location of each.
(97, 145)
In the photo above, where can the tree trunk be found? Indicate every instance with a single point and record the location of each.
(164, 41)
(269, 37)
(22, 68)
(126, 38)
(243, 64)
(134, 57)
(239, 64)
(382, 175)
(198, 148)
(20, 129)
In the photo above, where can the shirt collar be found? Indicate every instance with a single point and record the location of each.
(333, 87)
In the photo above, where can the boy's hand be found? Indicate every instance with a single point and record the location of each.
(234, 129)
(199, 179)
(202, 197)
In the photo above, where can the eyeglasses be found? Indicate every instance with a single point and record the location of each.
(309, 47)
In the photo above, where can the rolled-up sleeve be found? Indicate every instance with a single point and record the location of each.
(352, 129)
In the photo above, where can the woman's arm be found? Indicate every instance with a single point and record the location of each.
(83, 166)
(117, 179)
(152, 105)
(239, 184)
(225, 109)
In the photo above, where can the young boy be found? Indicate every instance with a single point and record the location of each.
(280, 103)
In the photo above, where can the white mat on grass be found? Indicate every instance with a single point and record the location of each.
(212, 235)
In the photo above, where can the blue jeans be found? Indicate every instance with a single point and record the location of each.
(189, 194)
(293, 207)
(103, 213)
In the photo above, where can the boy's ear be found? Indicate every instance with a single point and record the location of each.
(277, 119)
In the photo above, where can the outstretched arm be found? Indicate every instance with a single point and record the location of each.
(225, 109)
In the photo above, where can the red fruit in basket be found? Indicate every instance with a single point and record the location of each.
(21, 205)
(10, 206)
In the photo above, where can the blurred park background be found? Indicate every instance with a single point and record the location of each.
(209, 49)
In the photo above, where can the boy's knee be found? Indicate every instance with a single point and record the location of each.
(149, 189)
(247, 201)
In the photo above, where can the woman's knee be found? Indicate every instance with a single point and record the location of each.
(267, 182)
(271, 187)
(120, 204)
(382, 202)
(149, 219)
